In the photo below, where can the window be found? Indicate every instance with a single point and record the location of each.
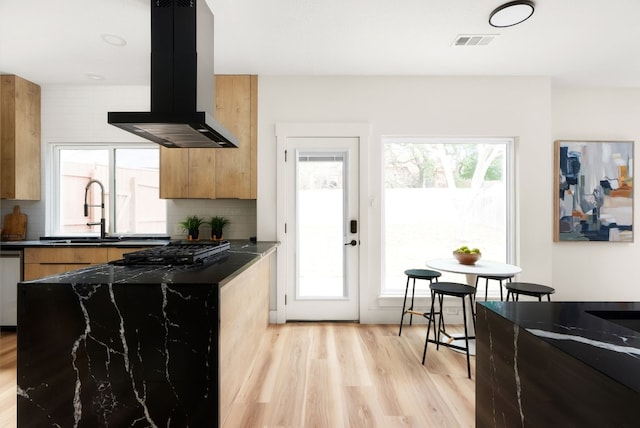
(130, 177)
(441, 194)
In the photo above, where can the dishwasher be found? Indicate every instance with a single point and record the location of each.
(10, 275)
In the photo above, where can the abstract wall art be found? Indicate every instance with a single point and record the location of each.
(593, 198)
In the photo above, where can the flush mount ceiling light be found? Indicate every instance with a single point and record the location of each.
(94, 76)
(113, 39)
(511, 13)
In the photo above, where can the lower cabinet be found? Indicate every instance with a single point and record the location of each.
(39, 262)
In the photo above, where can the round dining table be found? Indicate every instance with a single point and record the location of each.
(481, 267)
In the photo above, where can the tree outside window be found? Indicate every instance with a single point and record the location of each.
(441, 194)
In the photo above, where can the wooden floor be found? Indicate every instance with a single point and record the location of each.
(332, 375)
(7, 380)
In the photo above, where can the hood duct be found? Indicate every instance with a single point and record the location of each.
(182, 80)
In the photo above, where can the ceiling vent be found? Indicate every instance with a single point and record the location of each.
(474, 39)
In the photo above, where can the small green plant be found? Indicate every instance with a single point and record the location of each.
(192, 225)
(217, 223)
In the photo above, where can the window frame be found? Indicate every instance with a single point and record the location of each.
(53, 226)
(510, 198)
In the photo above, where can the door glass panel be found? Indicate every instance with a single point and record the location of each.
(321, 232)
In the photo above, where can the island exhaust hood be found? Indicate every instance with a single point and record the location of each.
(182, 80)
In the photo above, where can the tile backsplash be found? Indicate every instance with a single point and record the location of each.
(241, 213)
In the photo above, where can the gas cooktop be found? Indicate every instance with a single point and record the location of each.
(176, 253)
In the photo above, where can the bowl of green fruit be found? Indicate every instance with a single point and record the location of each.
(466, 255)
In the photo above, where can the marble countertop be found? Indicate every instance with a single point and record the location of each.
(85, 242)
(217, 270)
(603, 335)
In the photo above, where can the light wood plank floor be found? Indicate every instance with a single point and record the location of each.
(331, 375)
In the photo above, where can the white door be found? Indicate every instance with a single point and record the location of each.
(322, 229)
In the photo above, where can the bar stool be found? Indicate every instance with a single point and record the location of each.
(498, 278)
(426, 274)
(439, 290)
(515, 289)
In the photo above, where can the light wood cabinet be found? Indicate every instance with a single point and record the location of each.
(19, 138)
(219, 173)
(39, 262)
(244, 318)
(237, 110)
(187, 173)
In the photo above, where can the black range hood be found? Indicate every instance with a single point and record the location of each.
(182, 80)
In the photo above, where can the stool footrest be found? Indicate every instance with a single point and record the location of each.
(449, 343)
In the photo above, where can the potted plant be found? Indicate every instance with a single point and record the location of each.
(217, 223)
(192, 226)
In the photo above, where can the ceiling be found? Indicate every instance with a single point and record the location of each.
(589, 43)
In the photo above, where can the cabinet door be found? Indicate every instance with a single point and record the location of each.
(19, 138)
(236, 110)
(187, 173)
(218, 173)
(39, 262)
(202, 173)
(174, 173)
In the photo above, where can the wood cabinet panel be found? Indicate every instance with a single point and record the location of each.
(244, 318)
(36, 270)
(174, 173)
(20, 132)
(201, 173)
(218, 173)
(236, 109)
(39, 262)
(65, 255)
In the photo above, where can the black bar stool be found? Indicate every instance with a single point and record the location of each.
(439, 290)
(498, 278)
(426, 274)
(515, 289)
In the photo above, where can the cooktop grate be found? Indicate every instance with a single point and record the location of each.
(175, 254)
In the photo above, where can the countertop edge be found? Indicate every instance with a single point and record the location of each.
(247, 265)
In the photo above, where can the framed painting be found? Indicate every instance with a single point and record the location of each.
(593, 191)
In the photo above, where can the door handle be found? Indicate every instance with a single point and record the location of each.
(353, 243)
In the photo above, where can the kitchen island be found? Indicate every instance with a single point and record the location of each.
(115, 345)
(568, 364)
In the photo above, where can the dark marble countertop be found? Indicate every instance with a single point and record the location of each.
(79, 241)
(216, 270)
(603, 335)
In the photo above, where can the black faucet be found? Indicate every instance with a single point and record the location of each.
(102, 221)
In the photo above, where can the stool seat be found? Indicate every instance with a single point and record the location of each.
(413, 274)
(422, 274)
(499, 278)
(529, 289)
(452, 289)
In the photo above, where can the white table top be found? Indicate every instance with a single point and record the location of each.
(482, 267)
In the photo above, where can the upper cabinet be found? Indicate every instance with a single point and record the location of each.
(219, 173)
(237, 110)
(19, 138)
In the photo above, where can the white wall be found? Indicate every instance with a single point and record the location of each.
(431, 106)
(597, 270)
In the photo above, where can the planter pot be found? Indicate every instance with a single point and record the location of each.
(216, 235)
(194, 235)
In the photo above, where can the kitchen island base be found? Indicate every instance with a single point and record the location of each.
(542, 364)
(109, 346)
